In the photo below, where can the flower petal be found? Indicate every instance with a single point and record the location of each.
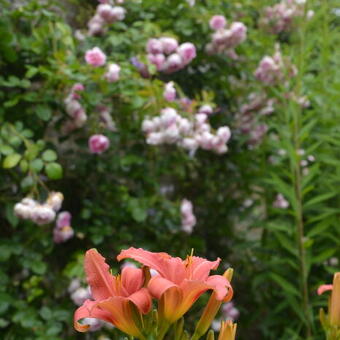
(170, 304)
(202, 267)
(123, 312)
(132, 279)
(158, 285)
(324, 288)
(142, 300)
(98, 275)
(89, 310)
(221, 286)
(169, 267)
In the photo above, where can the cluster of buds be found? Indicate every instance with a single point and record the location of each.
(280, 17)
(331, 322)
(106, 14)
(171, 128)
(187, 216)
(63, 230)
(275, 70)
(74, 108)
(174, 285)
(168, 56)
(280, 202)
(98, 144)
(247, 118)
(30, 209)
(305, 161)
(226, 36)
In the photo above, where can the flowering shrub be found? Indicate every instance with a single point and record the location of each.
(169, 124)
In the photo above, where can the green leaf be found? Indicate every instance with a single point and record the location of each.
(54, 171)
(11, 160)
(37, 165)
(285, 285)
(49, 156)
(43, 112)
(6, 149)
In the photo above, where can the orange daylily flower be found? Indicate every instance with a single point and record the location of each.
(119, 299)
(180, 282)
(334, 306)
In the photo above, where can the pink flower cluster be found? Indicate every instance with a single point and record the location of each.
(280, 17)
(247, 119)
(63, 230)
(226, 37)
(105, 15)
(30, 209)
(168, 56)
(187, 216)
(274, 70)
(98, 143)
(171, 128)
(96, 57)
(74, 109)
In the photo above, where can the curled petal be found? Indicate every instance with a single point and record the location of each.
(132, 279)
(324, 288)
(89, 310)
(98, 275)
(142, 300)
(159, 285)
(221, 286)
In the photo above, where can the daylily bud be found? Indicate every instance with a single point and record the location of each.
(335, 301)
(211, 335)
(212, 308)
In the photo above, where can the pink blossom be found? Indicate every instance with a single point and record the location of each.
(95, 57)
(169, 45)
(112, 74)
(154, 46)
(169, 92)
(187, 51)
(63, 234)
(158, 60)
(188, 218)
(98, 143)
(63, 219)
(217, 22)
(173, 63)
(280, 202)
(206, 109)
(42, 214)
